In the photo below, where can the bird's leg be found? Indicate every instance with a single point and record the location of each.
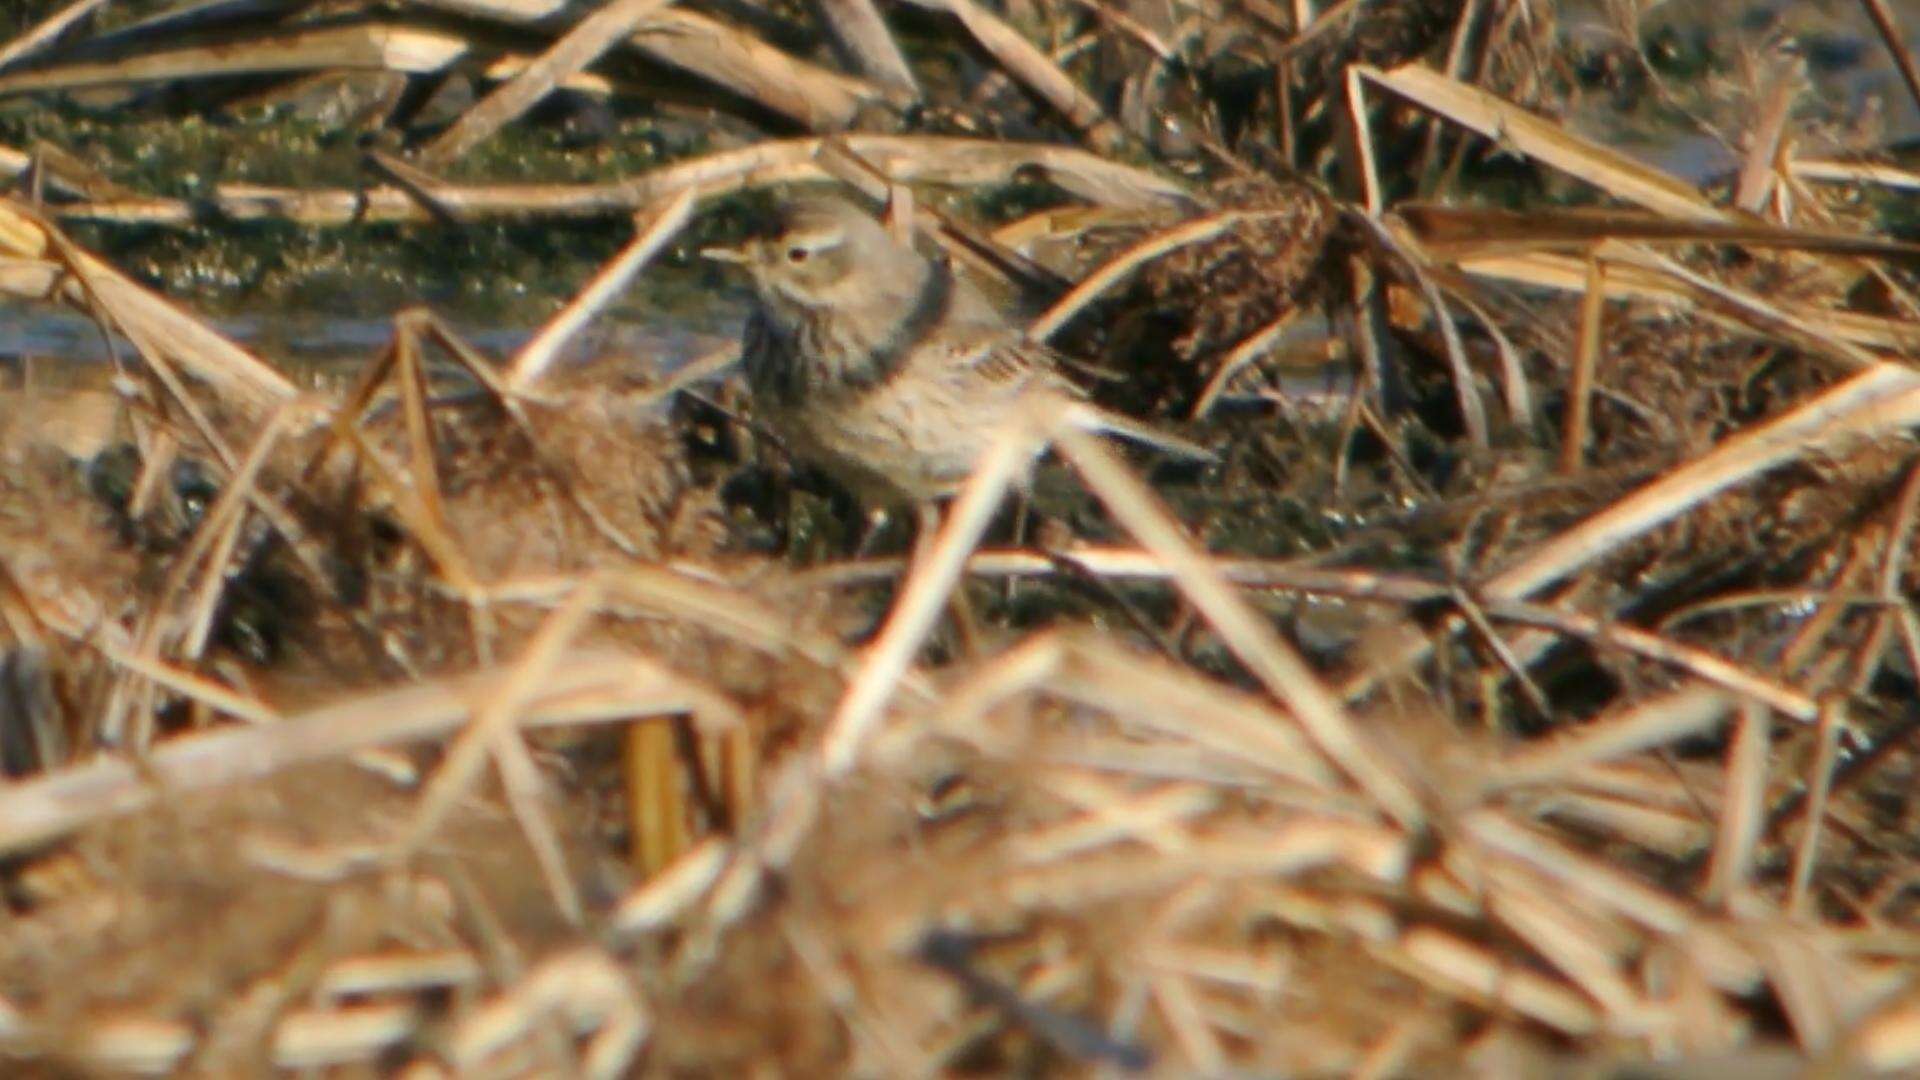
(1022, 518)
(957, 606)
(925, 530)
(899, 213)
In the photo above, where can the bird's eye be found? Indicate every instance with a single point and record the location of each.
(797, 254)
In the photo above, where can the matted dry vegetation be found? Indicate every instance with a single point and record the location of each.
(1536, 698)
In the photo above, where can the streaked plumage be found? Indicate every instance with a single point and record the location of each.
(876, 363)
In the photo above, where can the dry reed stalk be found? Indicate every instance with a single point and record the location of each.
(17, 613)
(704, 368)
(585, 990)
(679, 592)
(1896, 42)
(1522, 131)
(187, 20)
(1841, 596)
(672, 890)
(1458, 968)
(209, 550)
(417, 516)
(1111, 818)
(924, 159)
(1251, 638)
(1476, 620)
(1293, 849)
(1592, 878)
(1673, 833)
(317, 1038)
(492, 735)
(14, 164)
(1742, 816)
(1473, 414)
(1659, 721)
(1800, 971)
(651, 765)
(89, 284)
(904, 219)
(727, 612)
(1199, 1045)
(1758, 176)
(1753, 310)
(388, 47)
(814, 97)
(1026, 64)
(1880, 399)
(1455, 232)
(1811, 650)
(400, 971)
(576, 50)
(510, 65)
(1132, 29)
(1356, 583)
(224, 524)
(46, 31)
(712, 51)
(402, 365)
(1883, 398)
(863, 36)
(1178, 820)
(160, 447)
(1696, 662)
(1819, 785)
(583, 688)
(925, 591)
(1237, 359)
(188, 685)
(1067, 222)
(1897, 551)
(1855, 172)
(507, 11)
(1356, 148)
(1889, 1040)
(422, 442)
(1586, 358)
(415, 324)
(1576, 946)
(1624, 282)
(133, 1044)
(654, 231)
(1393, 1054)
(1514, 387)
(1307, 28)
(420, 185)
(1116, 269)
(1152, 696)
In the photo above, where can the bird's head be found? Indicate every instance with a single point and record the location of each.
(821, 251)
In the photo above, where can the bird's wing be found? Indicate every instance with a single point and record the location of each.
(1019, 366)
(1113, 423)
(996, 358)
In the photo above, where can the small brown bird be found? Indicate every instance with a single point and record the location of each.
(878, 364)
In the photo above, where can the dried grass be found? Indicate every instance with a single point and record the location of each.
(441, 722)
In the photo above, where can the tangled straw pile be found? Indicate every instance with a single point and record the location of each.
(471, 718)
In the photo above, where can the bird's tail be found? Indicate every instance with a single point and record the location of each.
(1128, 428)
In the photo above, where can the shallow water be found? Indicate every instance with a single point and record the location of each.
(1851, 76)
(676, 313)
(318, 341)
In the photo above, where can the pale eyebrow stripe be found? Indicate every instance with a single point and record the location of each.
(813, 239)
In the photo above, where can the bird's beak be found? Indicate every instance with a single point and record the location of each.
(735, 255)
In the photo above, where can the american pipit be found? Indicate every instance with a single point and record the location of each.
(877, 363)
